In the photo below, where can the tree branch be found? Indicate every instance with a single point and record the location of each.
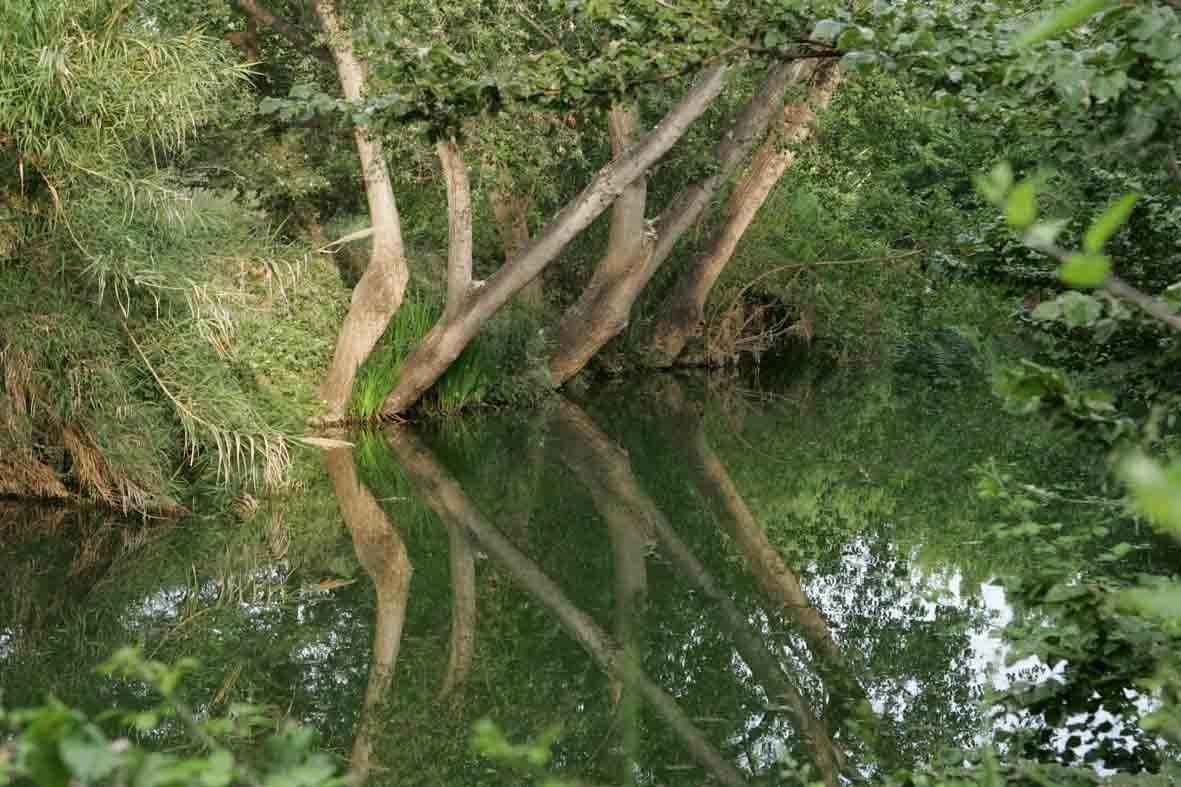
(1142, 300)
(301, 39)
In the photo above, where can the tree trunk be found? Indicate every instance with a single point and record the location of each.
(590, 324)
(379, 293)
(602, 310)
(511, 214)
(447, 339)
(683, 313)
(459, 226)
(383, 555)
(447, 498)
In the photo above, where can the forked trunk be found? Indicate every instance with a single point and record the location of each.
(602, 310)
(682, 315)
(601, 314)
(379, 293)
(448, 338)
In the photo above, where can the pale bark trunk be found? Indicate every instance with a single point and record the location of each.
(590, 325)
(600, 313)
(459, 226)
(447, 339)
(604, 467)
(379, 293)
(463, 609)
(383, 555)
(511, 212)
(444, 495)
(682, 315)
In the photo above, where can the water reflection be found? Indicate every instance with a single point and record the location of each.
(628, 573)
(790, 723)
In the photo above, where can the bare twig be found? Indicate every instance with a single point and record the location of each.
(1152, 306)
(804, 265)
(1114, 285)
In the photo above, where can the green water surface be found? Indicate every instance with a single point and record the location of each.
(699, 580)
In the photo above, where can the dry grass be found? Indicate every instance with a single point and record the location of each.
(96, 477)
(24, 476)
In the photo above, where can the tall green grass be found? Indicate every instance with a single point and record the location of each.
(376, 377)
(465, 382)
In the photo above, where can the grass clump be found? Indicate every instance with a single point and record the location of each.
(377, 375)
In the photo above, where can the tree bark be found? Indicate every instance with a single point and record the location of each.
(379, 293)
(447, 339)
(590, 325)
(459, 226)
(447, 498)
(383, 555)
(511, 213)
(600, 313)
(683, 313)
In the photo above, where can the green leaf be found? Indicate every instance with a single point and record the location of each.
(1159, 603)
(1021, 206)
(827, 30)
(1044, 233)
(995, 186)
(1109, 223)
(1047, 310)
(1066, 18)
(1085, 270)
(1080, 310)
(856, 61)
(1155, 488)
(89, 760)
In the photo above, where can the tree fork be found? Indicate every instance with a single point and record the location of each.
(379, 293)
(449, 336)
(682, 314)
(602, 314)
(602, 310)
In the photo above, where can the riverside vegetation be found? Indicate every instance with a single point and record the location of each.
(233, 231)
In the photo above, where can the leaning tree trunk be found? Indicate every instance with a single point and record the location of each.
(379, 293)
(682, 315)
(603, 308)
(590, 324)
(450, 335)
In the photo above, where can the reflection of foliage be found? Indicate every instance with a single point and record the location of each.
(867, 487)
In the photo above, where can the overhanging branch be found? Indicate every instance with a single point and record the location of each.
(301, 39)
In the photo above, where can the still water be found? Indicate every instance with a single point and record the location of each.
(681, 581)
